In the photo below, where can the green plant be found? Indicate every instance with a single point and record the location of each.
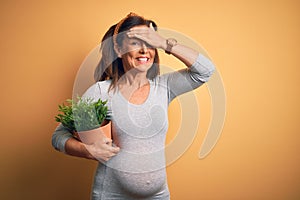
(82, 115)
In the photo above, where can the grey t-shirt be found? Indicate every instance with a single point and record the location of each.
(138, 170)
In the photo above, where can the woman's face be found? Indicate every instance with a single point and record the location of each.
(136, 54)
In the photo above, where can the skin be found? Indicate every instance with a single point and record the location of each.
(141, 41)
(137, 57)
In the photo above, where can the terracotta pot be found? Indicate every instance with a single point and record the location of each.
(89, 137)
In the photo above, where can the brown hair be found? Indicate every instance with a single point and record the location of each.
(110, 65)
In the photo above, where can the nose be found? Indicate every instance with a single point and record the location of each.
(143, 48)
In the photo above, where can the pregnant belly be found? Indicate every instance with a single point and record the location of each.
(141, 184)
(140, 175)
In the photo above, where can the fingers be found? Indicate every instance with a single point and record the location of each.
(110, 146)
(107, 141)
(142, 35)
(114, 150)
(148, 35)
(106, 155)
(102, 151)
(135, 34)
(139, 32)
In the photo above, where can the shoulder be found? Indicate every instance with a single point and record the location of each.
(98, 89)
(103, 84)
(159, 83)
(160, 79)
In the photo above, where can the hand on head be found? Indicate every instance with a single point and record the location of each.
(147, 34)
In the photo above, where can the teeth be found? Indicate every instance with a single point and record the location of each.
(142, 59)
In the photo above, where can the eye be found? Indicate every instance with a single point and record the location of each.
(149, 46)
(134, 43)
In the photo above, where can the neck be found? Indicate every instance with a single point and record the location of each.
(133, 78)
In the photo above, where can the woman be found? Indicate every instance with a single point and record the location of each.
(138, 98)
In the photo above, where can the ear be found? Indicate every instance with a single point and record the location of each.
(118, 50)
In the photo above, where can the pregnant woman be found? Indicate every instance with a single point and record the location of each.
(138, 97)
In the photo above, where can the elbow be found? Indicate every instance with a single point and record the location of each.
(203, 77)
(54, 141)
(205, 69)
(211, 71)
(59, 138)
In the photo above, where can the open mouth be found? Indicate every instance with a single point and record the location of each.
(143, 59)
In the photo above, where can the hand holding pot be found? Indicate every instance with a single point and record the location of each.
(102, 149)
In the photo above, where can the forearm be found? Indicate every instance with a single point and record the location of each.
(200, 67)
(184, 80)
(76, 148)
(185, 54)
(63, 141)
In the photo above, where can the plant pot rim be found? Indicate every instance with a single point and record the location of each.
(104, 124)
(106, 129)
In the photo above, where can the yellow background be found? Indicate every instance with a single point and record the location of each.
(255, 46)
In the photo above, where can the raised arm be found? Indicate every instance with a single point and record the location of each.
(185, 54)
(199, 68)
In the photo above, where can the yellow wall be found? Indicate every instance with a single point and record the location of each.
(254, 45)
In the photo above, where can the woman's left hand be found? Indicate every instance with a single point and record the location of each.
(148, 35)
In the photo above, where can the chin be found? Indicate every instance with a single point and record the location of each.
(144, 67)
